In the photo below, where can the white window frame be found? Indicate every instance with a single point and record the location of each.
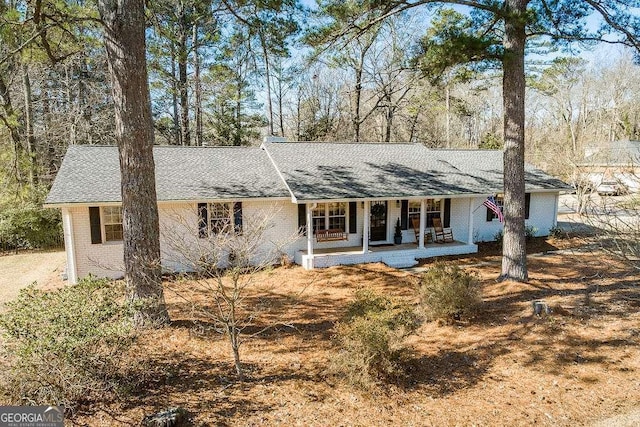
(433, 209)
(335, 211)
(223, 218)
(499, 199)
(324, 212)
(107, 221)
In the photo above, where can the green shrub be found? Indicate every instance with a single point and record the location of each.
(499, 237)
(371, 338)
(449, 293)
(530, 232)
(29, 226)
(65, 346)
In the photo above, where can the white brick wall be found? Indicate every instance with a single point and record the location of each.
(542, 216)
(179, 231)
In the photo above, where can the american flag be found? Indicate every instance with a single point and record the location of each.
(491, 204)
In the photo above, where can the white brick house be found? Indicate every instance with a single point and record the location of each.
(353, 194)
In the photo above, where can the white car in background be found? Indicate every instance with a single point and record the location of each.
(611, 188)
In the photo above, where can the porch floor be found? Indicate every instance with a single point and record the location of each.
(379, 248)
(404, 255)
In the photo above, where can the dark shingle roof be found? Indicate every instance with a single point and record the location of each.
(316, 171)
(312, 171)
(92, 174)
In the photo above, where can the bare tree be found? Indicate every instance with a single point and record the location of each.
(226, 259)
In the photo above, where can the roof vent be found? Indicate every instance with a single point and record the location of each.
(271, 138)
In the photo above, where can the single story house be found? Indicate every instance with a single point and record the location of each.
(614, 161)
(352, 194)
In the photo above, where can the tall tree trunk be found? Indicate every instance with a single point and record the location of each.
(267, 72)
(30, 137)
(388, 123)
(9, 119)
(177, 135)
(356, 115)
(182, 80)
(197, 86)
(124, 22)
(237, 132)
(514, 256)
(280, 99)
(447, 91)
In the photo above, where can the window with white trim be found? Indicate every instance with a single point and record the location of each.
(329, 216)
(433, 209)
(220, 216)
(112, 223)
(318, 217)
(499, 199)
(337, 212)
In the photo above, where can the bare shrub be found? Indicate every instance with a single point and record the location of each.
(371, 339)
(226, 263)
(618, 227)
(449, 293)
(64, 347)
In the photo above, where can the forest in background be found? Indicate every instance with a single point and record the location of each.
(229, 74)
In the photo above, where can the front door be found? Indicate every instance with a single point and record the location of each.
(378, 230)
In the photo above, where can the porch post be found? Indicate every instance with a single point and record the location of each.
(309, 207)
(423, 222)
(69, 246)
(470, 234)
(365, 230)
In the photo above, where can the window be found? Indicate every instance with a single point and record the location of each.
(432, 209)
(218, 217)
(329, 216)
(337, 216)
(318, 216)
(112, 221)
(414, 210)
(500, 203)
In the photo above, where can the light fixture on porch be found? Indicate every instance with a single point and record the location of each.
(397, 203)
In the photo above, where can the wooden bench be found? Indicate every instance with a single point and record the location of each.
(330, 235)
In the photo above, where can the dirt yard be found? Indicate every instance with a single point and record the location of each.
(18, 271)
(579, 366)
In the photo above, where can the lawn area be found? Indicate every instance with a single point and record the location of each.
(505, 367)
(20, 270)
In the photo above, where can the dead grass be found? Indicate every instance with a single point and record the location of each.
(505, 367)
(20, 270)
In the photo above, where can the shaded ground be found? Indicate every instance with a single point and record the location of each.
(18, 271)
(507, 367)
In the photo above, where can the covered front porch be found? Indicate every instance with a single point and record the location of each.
(372, 240)
(398, 256)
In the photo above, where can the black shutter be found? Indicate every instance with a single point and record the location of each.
(446, 221)
(527, 205)
(94, 223)
(404, 214)
(202, 220)
(302, 218)
(353, 211)
(237, 216)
